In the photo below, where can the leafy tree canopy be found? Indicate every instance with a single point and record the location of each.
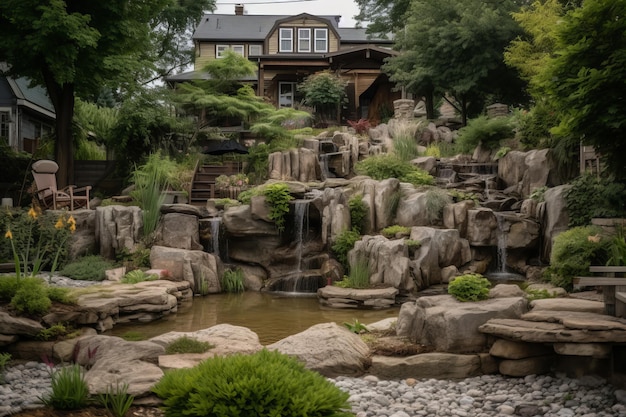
(384, 17)
(456, 47)
(325, 91)
(586, 79)
(75, 47)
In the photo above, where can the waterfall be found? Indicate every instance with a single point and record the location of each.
(301, 216)
(502, 242)
(216, 223)
(324, 166)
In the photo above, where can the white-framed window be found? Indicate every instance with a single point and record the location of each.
(254, 50)
(285, 40)
(238, 49)
(321, 40)
(219, 50)
(286, 94)
(5, 124)
(304, 40)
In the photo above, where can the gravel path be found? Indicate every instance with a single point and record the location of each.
(487, 395)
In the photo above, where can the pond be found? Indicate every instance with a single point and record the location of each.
(272, 316)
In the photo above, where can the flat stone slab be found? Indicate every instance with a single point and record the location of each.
(371, 298)
(568, 304)
(577, 320)
(426, 365)
(544, 332)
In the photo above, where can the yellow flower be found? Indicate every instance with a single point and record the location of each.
(32, 213)
(59, 224)
(72, 222)
(8, 234)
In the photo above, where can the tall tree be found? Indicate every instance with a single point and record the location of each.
(455, 48)
(384, 17)
(74, 47)
(586, 79)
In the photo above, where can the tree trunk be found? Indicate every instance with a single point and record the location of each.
(62, 97)
(429, 101)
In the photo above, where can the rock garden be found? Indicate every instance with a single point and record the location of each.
(472, 248)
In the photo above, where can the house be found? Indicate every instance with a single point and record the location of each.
(287, 49)
(26, 114)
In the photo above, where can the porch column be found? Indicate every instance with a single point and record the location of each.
(261, 81)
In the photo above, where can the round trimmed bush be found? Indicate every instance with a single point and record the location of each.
(470, 287)
(267, 383)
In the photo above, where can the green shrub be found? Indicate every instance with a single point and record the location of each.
(69, 389)
(359, 276)
(233, 281)
(8, 287)
(4, 360)
(405, 146)
(62, 295)
(538, 194)
(380, 167)
(137, 275)
(358, 212)
(538, 294)
(469, 287)
(395, 230)
(31, 297)
(436, 200)
(278, 197)
(258, 385)
(356, 327)
(433, 150)
(533, 127)
(590, 196)
(458, 196)
(617, 248)
(486, 131)
(133, 336)
(87, 268)
(187, 345)
(412, 244)
(57, 331)
(117, 400)
(345, 243)
(573, 252)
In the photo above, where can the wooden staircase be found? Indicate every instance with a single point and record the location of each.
(203, 185)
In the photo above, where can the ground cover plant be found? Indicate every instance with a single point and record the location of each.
(87, 268)
(267, 383)
(469, 287)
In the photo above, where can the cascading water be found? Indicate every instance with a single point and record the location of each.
(216, 223)
(501, 247)
(501, 273)
(301, 216)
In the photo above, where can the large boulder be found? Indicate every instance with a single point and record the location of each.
(83, 240)
(552, 213)
(412, 210)
(527, 171)
(455, 216)
(377, 196)
(118, 228)
(226, 339)
(178, 230)
(449, 325)
(295, 165)
(327, 348)
(482, 227)
(240, 222)
(200, 269)
(388, 261)
(112, 360)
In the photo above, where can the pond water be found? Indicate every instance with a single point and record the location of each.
(272, 316)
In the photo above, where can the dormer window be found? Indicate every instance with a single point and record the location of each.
(304, 40)
(286, 40)
(321, 40)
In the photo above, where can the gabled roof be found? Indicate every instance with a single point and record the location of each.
(35, 97)
(255, 28)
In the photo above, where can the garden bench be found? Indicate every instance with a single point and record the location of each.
(613, 283)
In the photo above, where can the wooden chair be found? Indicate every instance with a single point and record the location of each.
(71, 197)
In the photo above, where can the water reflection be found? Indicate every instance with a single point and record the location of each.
(273, 316)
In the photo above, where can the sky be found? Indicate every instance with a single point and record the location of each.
(345, 8)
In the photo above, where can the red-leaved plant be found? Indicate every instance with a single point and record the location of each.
(361, 126)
